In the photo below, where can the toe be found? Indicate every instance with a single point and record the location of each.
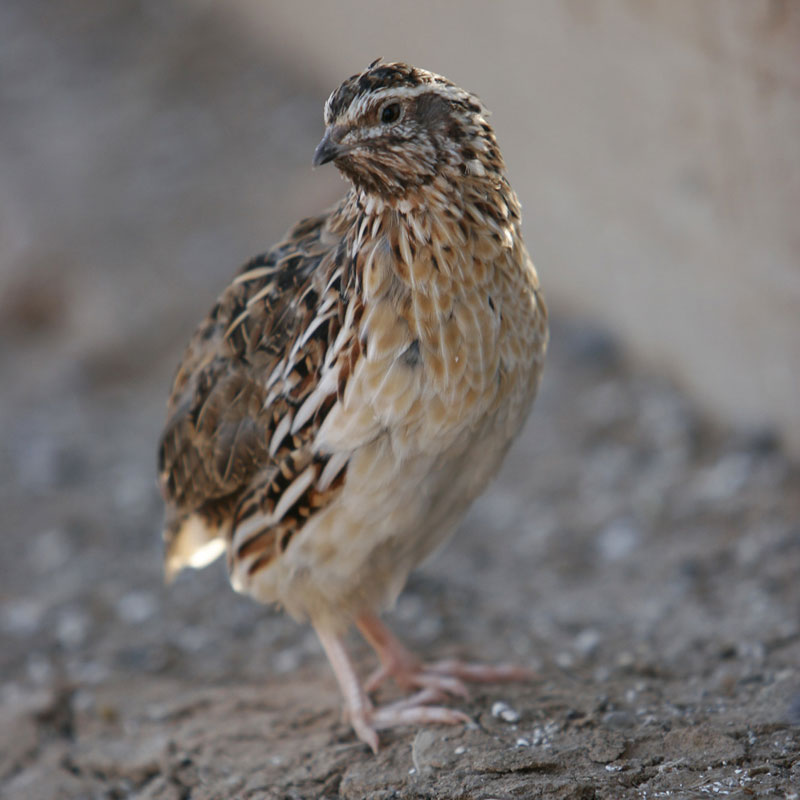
(447, 684)
(365, 730)
(391, 716)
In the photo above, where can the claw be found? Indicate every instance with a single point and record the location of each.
(364, 730)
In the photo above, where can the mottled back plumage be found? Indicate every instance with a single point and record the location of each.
(226, 452)
(356, 387)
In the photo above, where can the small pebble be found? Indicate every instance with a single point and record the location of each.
(618, 540)
(193, 639)
(503, 711)
(523, 742)
(565, 660)
(137, 607)
(72, 627)
(587, 641)
(538, 736)
(39, 668)
(460, 750)
(725, 478)
(287, 660)
(22, 618)
(49, 550)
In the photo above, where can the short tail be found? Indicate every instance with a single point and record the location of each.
(190, 542)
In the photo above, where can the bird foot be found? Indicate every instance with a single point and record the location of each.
(449, 676)
(365, 718)
(417, 709)
(432, 683)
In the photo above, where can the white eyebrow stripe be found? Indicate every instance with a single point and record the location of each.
(364, 101)
(402, 93)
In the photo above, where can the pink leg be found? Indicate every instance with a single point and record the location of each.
(358, 706)
(364, 717)
(443, 676)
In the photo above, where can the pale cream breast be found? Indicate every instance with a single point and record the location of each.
(449, 368)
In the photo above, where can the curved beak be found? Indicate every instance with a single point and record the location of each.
(330, 147)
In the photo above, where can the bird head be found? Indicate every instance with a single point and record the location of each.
(394, 128)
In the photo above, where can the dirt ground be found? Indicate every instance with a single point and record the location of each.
(642, 559)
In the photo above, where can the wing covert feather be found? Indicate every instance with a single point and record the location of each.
(230, 448)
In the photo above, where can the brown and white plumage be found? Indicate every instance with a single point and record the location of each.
(355, 388)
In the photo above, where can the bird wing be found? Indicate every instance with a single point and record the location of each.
(254, 385)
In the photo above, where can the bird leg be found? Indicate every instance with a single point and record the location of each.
(365, 718)
(358, 706)
(448, 676)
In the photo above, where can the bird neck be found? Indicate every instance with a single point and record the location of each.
(441, 231)
(472, 200)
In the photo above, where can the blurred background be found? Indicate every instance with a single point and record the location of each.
(149, 148)
(654, 147)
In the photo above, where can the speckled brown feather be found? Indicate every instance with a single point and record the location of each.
(354, 389)
(219, 457)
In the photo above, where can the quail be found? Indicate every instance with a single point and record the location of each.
(354, 388)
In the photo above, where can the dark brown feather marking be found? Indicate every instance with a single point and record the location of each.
(214, 455)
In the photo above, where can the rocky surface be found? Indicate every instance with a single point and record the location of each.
(643, 560)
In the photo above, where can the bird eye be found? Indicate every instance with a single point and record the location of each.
(390, 113)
